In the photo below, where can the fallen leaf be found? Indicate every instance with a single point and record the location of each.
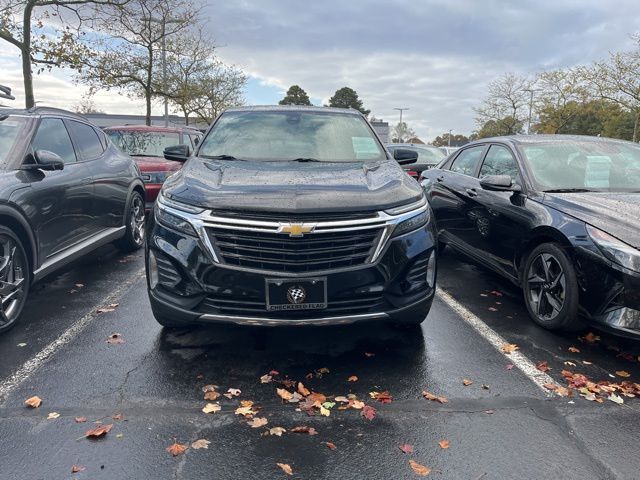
(368, 412)
(352, 378)
(245, 411)
(369, 354)
(22, 345)
(357, 404)
(278, 431)
(120, 435)
(202, 443)
(492, 309)
(383, 397)
(115, 339)
(510, 348)
(323, 371)
(584, 362)
(325, 412)
(98, 431)
(284, 394)
(330, 446)
(485, 387)
(509, 366)
(616, 399)
(444, 444)
(211, 408)
(622, 373)
(295, 398)
(258, 422)
(543, 366)
(33, 402)
(176, 449)
(419, 469)
(574, 350)
(233, 392)
(406, 448)
(246, 403)
(80, 419)
(286, 468)
(433, 398)
(341, 399)
(53, 416)
(590, 338)
(569, 364)
(107, 309)
(209, 388)
(266, 379)
(211, 396)
(302, 390)
(77, 468)
(466, 382)
(489, 412)
(304, 429)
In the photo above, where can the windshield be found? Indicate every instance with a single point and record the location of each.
(10, 129)
(291, 135)
(140, 143)
(588, 165)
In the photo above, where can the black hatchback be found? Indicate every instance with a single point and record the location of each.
(557, 215)
(64, 190)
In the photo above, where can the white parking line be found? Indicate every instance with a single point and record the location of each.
(516, 358)
(29, 367)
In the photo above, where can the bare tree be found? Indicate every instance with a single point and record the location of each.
(618, 79)
(86, 105)
(507, 103)
(128, 57)
(402, 133)
(23, 22)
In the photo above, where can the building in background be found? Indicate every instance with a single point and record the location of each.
(381, 128)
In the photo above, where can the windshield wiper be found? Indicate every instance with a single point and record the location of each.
(304, 159)
(568, 190)
(219, 157)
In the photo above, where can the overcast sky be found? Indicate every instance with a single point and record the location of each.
(432, 56)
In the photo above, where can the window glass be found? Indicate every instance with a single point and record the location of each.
(291, 134)
(11, 129)
(499, 161)
(53, 136)
(428, 155)
(87, 140)
(143, 143)
(467, 161)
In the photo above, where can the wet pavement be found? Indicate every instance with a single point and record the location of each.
(152, 383)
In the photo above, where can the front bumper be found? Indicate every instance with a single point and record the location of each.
(192, 288)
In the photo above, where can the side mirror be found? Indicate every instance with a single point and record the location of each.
(178, 153)
(499, 183)
(44, 160)
(404, 156)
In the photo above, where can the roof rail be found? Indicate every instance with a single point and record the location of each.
(5, 92)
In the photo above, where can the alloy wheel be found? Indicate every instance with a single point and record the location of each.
(546, 286)
(137, 220)
(12, 281)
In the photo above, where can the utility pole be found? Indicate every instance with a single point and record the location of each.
(530, 90)
(449, 139)
(400, 110)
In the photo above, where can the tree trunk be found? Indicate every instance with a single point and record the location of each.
(147, 118)
(25, 51)
(635, 126)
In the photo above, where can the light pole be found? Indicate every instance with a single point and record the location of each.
(530, 90)
(449, 139)
(400, 110)
(164, 22)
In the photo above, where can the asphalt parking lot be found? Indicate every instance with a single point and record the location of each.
(149, 386)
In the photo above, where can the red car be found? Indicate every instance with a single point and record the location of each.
(146, 145)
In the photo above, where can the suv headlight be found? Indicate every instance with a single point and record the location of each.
(412, 223)
(615, 250)
(168, 213)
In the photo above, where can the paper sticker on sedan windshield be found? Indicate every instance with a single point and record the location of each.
(365, 147)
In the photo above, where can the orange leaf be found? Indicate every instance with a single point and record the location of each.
(510, 348)
(77, 468)
(330, 446)
(176, 449)
(304, 429)
(286, 468)
(98, 431)
(406, 448)
(284, 394)
(543, 366)
(433, 398)
(444, 444)
(352, 378)
(302, 390)
(466, 382)
(419, 469)
(574, 350)
(622, 373)
(33, 402)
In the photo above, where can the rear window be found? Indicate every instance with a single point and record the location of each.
(143, 144)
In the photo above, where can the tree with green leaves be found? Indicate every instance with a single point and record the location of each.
(500, 127)
(49, 33)
(295, 96)
(348, 98)
(457, 140)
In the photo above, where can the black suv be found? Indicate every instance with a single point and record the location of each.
(64, 190)
(290, 216)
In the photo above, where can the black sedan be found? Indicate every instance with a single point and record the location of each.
(428, 157)
(557, 215)
(64, 190)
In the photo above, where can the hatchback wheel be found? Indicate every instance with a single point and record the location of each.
(551, 289)
(14, 278)
(135, 223)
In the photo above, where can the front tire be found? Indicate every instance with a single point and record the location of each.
(550, 288)
(134, 235)
(15, 279)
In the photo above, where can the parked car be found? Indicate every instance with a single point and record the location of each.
(64, 191)
(146, 144)
(289, 216)
(557, 215)
(448, 150)
(428, 157)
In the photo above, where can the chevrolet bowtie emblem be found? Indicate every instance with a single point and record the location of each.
(296, 229)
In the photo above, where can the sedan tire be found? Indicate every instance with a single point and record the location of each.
(551, 288)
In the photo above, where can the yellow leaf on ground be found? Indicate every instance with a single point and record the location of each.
(284, 394)
(510, 348)
(211, 408)
(419, 469)
(258, 422)
(286, 468)
(202, 443)
(33, 402)
(444, 444)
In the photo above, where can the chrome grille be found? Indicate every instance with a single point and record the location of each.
(262, 250)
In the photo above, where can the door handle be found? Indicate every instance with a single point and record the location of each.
(471, 192)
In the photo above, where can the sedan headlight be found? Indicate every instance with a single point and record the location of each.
(615, 250)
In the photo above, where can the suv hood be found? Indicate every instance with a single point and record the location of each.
(292, 186)
(614, 213)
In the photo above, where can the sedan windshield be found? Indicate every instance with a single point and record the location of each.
(10, 129)
(292, 135)
(141, 143)
(584, 165)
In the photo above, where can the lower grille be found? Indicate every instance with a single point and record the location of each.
(277, 252)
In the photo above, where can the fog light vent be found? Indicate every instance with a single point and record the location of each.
(431, 270)
(168, 275)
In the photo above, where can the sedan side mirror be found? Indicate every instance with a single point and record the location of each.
(404, 156)
(178, 153)
(499, 183)
(44, 160)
